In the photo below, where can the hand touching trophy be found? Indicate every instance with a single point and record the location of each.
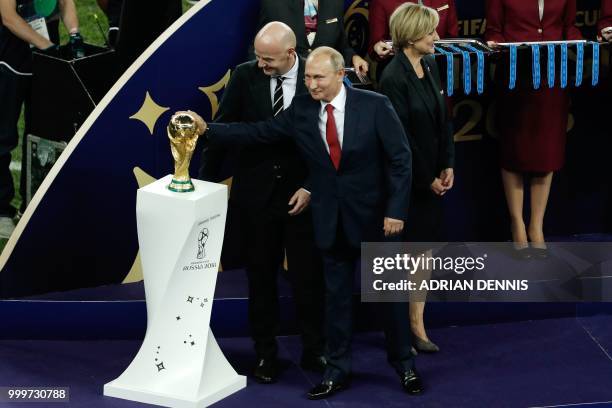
(183, 131)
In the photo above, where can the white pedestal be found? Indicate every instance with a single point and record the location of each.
(179, 363)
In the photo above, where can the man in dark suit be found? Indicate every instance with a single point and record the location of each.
(269, 200)
(359, 164)
(315, 23)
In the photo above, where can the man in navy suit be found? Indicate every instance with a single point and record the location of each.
(268, 198)
(359, 164)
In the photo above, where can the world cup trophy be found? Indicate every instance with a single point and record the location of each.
(183, 134)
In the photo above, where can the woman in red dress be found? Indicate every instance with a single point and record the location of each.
(604, 25)
(532, 123)
(381, 10)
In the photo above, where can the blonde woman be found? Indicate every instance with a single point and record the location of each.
(412, 82)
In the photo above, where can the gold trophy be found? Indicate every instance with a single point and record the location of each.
(183, 135)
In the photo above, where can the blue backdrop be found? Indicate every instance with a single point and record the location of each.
(81, 230)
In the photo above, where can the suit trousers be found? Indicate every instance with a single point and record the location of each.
(339, 263)
(267, 234)
(14, 92)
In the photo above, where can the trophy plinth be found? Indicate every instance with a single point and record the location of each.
(180, 256)
(183, 135)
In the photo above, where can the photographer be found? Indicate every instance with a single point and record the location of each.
(19, 33)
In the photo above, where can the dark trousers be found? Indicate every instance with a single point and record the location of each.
(14, 92)
(339, 265)
(266, 235)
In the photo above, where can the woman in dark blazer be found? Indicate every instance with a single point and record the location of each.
(532, 123)
(412, 83)
(315, 23)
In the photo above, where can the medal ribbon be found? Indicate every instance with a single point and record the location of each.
(480, 67)
(535, 66)
(579, 63)
(564, 65)
(595, 73)
(450, 76)
(513, 59)
(467, 69)
(551, 65)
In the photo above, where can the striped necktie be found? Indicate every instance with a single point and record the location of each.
(279, 104)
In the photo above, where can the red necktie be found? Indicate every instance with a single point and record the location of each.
(331, 135)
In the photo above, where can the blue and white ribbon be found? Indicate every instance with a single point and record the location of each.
(450, 75)
(513, 60)
(467, 69)
(564, 65)
(551, 65)
(309, 8)
(579, 63)
(480, 67)
(535, 67)
(595, 78)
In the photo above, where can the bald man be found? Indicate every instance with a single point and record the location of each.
(270, 202)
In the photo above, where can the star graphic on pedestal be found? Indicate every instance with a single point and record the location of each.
(149, 112)
(160, 366)
(178, 317)
(190, 299)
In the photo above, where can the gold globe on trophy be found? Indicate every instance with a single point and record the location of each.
(183, 134)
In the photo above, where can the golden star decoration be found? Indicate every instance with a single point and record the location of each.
(210, 92)
(149, 112)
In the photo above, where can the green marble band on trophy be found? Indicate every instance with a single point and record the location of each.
(183, 135)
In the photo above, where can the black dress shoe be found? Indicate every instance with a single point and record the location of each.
(326, 389)
(266, 371)
(313, 362)
(411, 382)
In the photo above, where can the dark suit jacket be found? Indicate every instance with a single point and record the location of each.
(330, 26)
(428, 132)
(259, 169)
(374, 177)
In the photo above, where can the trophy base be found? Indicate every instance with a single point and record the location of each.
(181, 186)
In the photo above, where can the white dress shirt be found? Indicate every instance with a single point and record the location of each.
(289, 84)
(339, 104)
